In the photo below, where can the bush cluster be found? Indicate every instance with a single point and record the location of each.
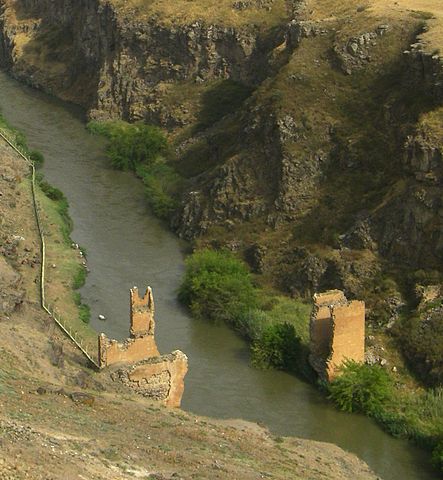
(219, 287)
(142, 148)
(162, 183)
(130, 145)
(417, 415)
(361, 388)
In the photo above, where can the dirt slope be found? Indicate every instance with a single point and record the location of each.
(61, 420)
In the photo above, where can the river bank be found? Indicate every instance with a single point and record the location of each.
(214, 351)
(45, 431)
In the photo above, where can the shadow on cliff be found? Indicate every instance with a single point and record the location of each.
(366, 162)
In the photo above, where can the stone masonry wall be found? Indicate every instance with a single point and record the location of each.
(132, 350)
(337, 332)
(141, 344)
(348, 338)
(139, 365)
(158, 378)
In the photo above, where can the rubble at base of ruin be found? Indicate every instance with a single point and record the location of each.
(337, 332)
(137, 361)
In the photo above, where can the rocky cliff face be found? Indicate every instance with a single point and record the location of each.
(409, 228)
(114, 64)
(331, 162)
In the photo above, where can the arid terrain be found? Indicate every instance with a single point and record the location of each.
(60, 419)
(305, 137)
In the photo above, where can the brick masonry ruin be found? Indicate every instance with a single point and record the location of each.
(137, 361)
(337, 332)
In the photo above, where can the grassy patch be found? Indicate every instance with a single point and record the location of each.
(80, 278)
(219, 12)
(64, 270)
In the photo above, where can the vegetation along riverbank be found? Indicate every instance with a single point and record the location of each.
(301, 137)
(60, 418)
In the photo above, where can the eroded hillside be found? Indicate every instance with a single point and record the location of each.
(59, 419)
(308, 133)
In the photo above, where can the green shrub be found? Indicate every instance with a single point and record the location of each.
(292, 311)
(251, 323)
(218, 286)
(361, 388)
(80, 278)
(52, 192)
(140, 148)
(130, 145)
(37, 158)
(162, 184)
(84, 311)
(278, 346)
(62, 206)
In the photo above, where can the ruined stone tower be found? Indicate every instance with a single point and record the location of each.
(139, 365)
(337, 332)
(142, 313)
(141, 342)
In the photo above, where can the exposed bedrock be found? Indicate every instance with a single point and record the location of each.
(326, 144)
(111, 63)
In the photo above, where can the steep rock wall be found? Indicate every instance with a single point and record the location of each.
(278, 159)
(112, 62)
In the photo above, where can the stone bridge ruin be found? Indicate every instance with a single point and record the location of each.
(337, 332)
(137, 362)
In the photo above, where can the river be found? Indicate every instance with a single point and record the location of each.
(126, 246)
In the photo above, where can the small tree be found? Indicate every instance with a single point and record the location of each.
(217, 286)
(361, 388)
(277, 347)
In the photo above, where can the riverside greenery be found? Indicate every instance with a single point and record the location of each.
(413, 414)
(142, 149)
(219, 287)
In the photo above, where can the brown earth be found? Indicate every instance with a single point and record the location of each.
(61, 420)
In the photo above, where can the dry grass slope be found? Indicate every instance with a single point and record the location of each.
(221, 12)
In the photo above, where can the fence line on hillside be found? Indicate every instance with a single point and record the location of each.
(71, 334)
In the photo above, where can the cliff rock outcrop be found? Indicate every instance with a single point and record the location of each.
(309, 124)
